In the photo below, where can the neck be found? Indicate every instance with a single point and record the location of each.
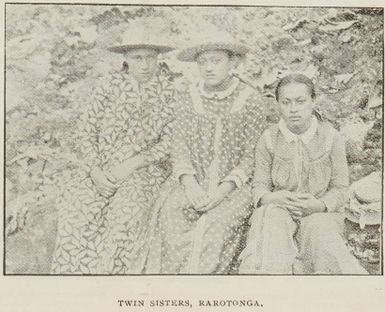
(222, 86)
(300, 129)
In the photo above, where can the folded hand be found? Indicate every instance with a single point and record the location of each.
(104, 182)
(217, 196)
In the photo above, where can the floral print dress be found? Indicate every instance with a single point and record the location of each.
(214, 136)
(105, 235)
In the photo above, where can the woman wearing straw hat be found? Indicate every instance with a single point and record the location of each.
(103, 213)
(197, 226)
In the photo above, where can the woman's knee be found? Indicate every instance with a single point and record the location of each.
(278, 215)
(322, 223)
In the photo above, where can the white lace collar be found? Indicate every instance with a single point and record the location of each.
(218, 94)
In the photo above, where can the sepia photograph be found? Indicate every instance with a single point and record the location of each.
(193, 140)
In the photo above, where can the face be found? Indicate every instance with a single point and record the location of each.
(215, 66)
(296, 106)
(142, 63)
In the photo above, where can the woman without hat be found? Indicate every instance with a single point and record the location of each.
(197, 227)
(103, 213)
(300, 187)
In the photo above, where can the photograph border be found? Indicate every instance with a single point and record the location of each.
(4, 273)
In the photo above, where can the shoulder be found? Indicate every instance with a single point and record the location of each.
(166, 84)
(272, 131)
(252, 96)
(113, 79)
(183, 94)
(326, 130)
(269, 136)
(181, 85)
(329, 137)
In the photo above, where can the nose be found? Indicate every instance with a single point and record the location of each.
(209, 67)
(144, 64)
(293, 107)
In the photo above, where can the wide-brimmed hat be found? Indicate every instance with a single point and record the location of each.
(212, 41)
(142, 36)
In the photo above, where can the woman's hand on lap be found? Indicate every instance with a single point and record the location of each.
(285, 199)
(280, 198)
(218, 196)
(309, 204)
(194, 192)
(122, 171)
(104, 182)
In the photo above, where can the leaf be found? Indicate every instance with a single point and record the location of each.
(296, 25)
(344, 78)
(330, 27)
(375, 101)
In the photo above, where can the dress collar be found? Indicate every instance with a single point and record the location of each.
(219, 94)
(304, 137)
(153, 82)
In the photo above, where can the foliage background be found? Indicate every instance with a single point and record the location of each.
(55, 53)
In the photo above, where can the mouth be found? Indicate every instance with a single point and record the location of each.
(294, 118)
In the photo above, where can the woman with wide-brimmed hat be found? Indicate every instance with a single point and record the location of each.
(103, 213)
(197, 225)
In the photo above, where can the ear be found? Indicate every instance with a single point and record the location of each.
(313, 103)
(236, 60)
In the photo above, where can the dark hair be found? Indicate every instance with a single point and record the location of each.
(295, 78)
(229, 53)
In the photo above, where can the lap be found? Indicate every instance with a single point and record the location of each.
(279, 220)
(324, 223)
(178, 215)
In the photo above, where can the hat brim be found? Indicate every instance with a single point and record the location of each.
(372, 218)
(128, 47)
(190, 54)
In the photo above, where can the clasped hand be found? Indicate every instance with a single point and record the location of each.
(200, 200)
(108, 181)
(104, 181)
(298, 204)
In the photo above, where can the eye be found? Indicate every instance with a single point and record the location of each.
(285, 102)
(301, 101)
(201, 62)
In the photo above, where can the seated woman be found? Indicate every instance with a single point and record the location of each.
(300, 187)
(102, 214)
(199, 221)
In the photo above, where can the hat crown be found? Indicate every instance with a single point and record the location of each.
(212, 41)
(150, 35)
(215, 37)
(142, 33)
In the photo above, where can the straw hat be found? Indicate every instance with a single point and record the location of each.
(213, 41)
(365, 200)
(142, 35)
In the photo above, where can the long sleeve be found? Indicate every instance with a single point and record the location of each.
(337, 192)
(89, 137)
(181, 157)
(262, 181)
(255, 123)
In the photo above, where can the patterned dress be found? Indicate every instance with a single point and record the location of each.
(214, 138)
(105, 235)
